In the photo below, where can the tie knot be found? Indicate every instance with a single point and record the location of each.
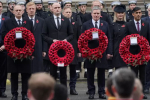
(31, 19)
(137, 23)
(19, 20)
(96, 22)
(57, 17)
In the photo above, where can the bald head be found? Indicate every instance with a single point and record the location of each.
(56, 9)
(41, 86)
(18, 11)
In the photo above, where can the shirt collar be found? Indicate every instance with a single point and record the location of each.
(32, 17)
(136, 21)
(18, 19)
(55, 17)
(95, 21)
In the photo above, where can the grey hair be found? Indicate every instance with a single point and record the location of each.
(96, 8)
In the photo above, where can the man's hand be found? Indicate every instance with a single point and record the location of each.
(79, 54)
(55, 40)
(65, 40)
(109, 56)
(43, 54)
(2, 48)
(32, 57)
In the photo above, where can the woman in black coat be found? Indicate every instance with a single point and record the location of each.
(117, 29)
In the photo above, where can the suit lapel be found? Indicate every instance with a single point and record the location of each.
(134, 27)
(91, 24)
(101, 24)
(2, 21)
(142, 26)
(15, 22)
(23, 22)
(36, 21)
(62, 22)
(53, 22)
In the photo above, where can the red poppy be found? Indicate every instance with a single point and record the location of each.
(62, 19)
(73, 23)
(123, 26)
(101, 16)
(101, 24)
(24, 22)
(37, 21)
(142, 24)
(3, 18)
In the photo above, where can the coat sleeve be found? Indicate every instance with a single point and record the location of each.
(69, 31)
(109, 48)
(4, 30)
(45, 35)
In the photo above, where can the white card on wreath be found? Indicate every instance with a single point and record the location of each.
(60, 64)
(133, 41)
(18, 35)
(95, 35)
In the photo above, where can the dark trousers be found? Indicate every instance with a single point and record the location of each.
(3, 71)
(73, 77)
(46, 65)
(140, 70)
(14, 83)
(78, 67)
(147, 85)
(63, 75)
(100, 80)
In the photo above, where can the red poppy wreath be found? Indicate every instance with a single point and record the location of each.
(95, 53)
(56, 59)
(138, 59)
(19, 53)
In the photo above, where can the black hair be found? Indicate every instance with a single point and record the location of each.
(136, 9)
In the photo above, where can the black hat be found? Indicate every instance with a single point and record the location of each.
(120, 8)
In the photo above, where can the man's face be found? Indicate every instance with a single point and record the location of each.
(68, 5)
(56, 9)
(120, 15)
(39, 6)
(96, 3)
(18, 11)
(148, 12)
(67, 13)
(31, 10)
(137, 15)
(83, 8)
(96, 15)
(11, 5)
(132, 6)
(1, 8)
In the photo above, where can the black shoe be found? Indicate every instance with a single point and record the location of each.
(87, 92)
(3, 95)
(146, 91)
(102, 96)
(24, 97)
(78, 75)
(73, 92)
(110, 74)
(85, 75)
(91, 96)
(15, 97)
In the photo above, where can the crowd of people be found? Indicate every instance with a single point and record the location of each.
(60, 23)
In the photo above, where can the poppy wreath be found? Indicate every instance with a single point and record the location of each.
(138, 59)
(67, 58)
(19, 53)
(96, 53)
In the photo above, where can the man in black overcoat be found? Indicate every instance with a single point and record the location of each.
(57, 28)
(96, 22)
(3, 58)
(138, 26)
(23, 67)
(40, 52)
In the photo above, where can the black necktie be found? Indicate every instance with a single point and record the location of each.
(32, 21)
(58, 25)
(19, 23)
(96, 25)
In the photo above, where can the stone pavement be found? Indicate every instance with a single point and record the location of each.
(81, 89)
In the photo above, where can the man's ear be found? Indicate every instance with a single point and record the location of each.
(29, 94)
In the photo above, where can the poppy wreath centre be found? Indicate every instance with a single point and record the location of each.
(19, 53)
(53, 53)
(95, 53)
(135, 59)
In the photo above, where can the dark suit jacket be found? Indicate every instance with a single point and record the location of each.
(105, 28)
(147, 19)
(37, 62)
(51, 32)
(17, 66)
(131, 29)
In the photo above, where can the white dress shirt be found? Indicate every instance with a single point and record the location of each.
(0, 18)
(55, 19)
(18, 21)
(32, 20)
(135, 22)
(98, 23)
